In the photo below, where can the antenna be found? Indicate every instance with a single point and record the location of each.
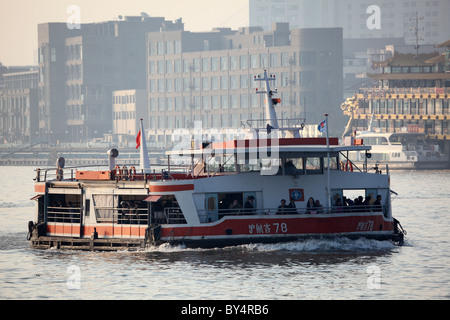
(416, 30)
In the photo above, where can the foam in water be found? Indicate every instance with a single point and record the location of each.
(308, 245)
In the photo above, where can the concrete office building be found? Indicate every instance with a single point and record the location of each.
(129, 106)
(18, 105)
(208, 77)
(80, 68)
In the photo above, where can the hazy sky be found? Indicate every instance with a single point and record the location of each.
(19, 18)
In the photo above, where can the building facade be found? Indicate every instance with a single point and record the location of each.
(359, 18)
(208, 77)
(80, 68)
(19, 107)
(129, 106)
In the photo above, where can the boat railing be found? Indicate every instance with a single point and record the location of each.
(214, 215)
(284, 124)
(69, 174)
(64, 214)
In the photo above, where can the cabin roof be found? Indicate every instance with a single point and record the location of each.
(292, 145)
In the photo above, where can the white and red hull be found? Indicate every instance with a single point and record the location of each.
(236, 230)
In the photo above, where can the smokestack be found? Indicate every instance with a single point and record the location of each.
(113, 153)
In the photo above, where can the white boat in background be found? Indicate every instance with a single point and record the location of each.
(402, 150)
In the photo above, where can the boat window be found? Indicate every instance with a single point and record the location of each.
(314, 165)
(293, 166)
(167, 210)
(131, 209)
(375, 141)
(65, 208)
(333, 163)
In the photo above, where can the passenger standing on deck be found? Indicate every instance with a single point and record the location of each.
(292, 206)
(377, 203)
(235, 206)
(311, 206)
(249, 206)
(319, 207)
(283, 208)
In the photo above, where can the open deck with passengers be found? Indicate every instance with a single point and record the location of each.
(228, 193)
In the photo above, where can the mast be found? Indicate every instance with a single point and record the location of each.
(269, 102)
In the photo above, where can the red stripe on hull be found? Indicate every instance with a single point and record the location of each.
(171, 188)
(277, 225)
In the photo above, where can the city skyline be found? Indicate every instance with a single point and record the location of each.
(19, 19)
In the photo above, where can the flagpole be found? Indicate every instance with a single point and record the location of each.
(144, 161)
(328, 164)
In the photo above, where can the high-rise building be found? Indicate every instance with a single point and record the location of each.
(359, 18)
(208, 77)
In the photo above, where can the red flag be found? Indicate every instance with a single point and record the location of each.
(138, 140)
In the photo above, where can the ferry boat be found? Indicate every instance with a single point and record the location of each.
(271, 186)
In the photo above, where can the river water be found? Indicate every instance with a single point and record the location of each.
(314, 269)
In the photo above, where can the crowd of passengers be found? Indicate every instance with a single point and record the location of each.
(130, 212)
(314, 206)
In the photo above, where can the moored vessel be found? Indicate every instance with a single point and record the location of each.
(270, 186)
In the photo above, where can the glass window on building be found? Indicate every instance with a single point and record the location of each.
(161, 66)
(234, 82)
(160, 85)
(169, 66)
(214, 83)
(224, 82)
(186, 84)
(169, 85)
(244, 81)
(234, 101)
(264, 60)
(224, 63)
(274, 60)
(244, 101)
(177, 66)
(160, 48)
(177, 46)
(205, 83)
(233, 63)
(215, 64)
(205, 64)
(254, 61)
(215, 102)
(206, 102)
(152, 67)
(169, 104)
(243, 62)
(169, 47)
(161, 105)
(285, 59)
(224, 102)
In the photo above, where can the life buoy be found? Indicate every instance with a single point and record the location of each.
(342, 166)
(348, 166)
(118, 172)
(125, 172)
(428, 154)
(132, 172)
